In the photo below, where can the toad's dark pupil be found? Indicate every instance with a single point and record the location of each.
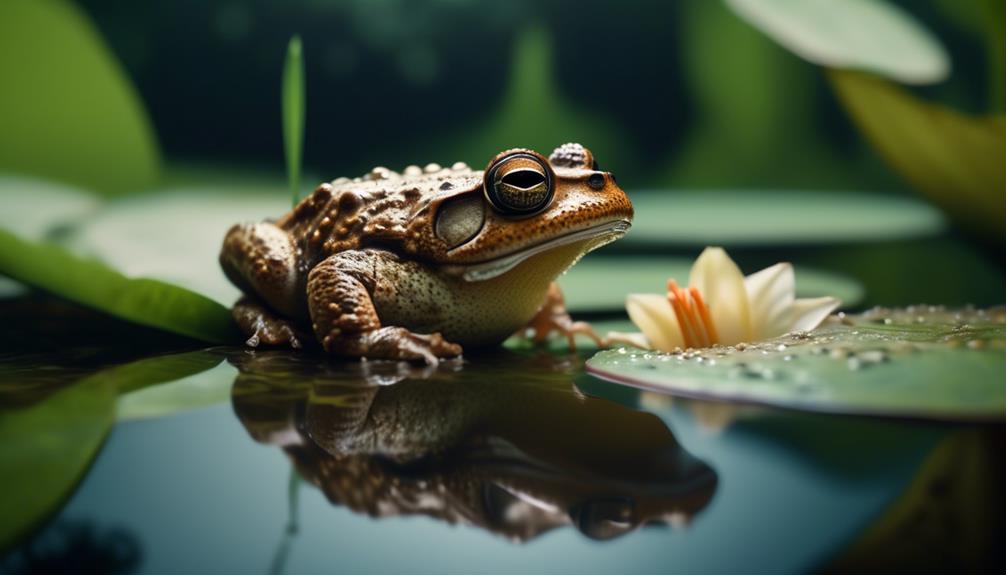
(523, 179)
(596, 181)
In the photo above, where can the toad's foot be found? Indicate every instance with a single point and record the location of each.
(392, 342)
(553, 317)
(263, 327)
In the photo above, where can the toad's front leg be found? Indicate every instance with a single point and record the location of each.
(553, 317)
(339, 297)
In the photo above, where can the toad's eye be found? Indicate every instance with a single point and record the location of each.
(519, 184)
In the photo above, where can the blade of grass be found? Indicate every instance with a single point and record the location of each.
(293, 114)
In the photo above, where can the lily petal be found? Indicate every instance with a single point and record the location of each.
(770, 295)
(722, 285)
(808, 313)
(653, 316)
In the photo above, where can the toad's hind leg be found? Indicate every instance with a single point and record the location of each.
(345, 321)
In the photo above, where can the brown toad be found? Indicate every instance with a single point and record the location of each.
(415, 265)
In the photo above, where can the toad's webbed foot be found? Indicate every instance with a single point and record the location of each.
(394, 343)
(263, 327)
(553, 317)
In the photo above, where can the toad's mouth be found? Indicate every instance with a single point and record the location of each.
(595, 236)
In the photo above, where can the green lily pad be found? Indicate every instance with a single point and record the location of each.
(175, 236)
(47, 447)
(733, 218)
(601, 283)
(955, 160)
(67, 108)
(88, 282)
(914, 362)
(867, 35)
(33, 209)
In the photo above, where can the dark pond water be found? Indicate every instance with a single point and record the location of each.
(227, 461)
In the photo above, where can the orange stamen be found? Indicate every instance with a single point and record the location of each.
(707, 318)
(693, 315)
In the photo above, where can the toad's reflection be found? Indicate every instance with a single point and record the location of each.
(517, 455)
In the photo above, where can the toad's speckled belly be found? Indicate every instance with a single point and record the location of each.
(472, 314)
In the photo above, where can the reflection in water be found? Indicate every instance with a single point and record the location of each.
(517, 454)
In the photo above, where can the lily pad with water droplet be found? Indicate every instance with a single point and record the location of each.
(924, 362)
(601, 283)
(743, 218)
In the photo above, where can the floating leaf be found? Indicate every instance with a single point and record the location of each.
(733, 218)
(46, 447)
(131, 235)
(293, 114)
(857, 34)
(955, 160)
(600, 283)
(34, 209)
(916, 362)
(91, 283)
(67, 109)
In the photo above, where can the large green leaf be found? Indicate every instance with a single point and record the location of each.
(868, 35)
(67, 109)
(774, 217)
(955, 160)
(590, 284)
(145, 301)
(46, 447)
(915, 362)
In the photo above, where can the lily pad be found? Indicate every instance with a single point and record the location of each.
(870, 35)
(915, 362)
(739, 218)
(175, 236)
(600, 283)
(34, 209)
(954, 159)
(68, 110)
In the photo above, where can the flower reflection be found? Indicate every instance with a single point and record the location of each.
(517, 454)
(722, 307)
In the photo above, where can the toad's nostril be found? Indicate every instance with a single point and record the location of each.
(596, 181)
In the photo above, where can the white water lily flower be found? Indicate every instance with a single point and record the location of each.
(721, 306)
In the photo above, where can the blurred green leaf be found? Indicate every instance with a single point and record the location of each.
(854, 34)
(46, 447)
(293, 114)
(942, 364)
(67, 109)
(602, 283)
(955, 160)
(145, 301)
(774, 217)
